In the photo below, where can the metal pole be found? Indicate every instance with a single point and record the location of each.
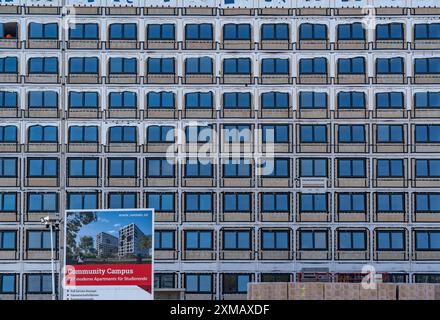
(52, 261)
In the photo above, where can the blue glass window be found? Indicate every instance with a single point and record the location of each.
(161, 31)
(390, 31)
(240, 31)
(118, 200)
(313, 133)
(275, 240)
(427, 99)
(275, 202)
(234, 168)
(389, 133)
(425, 31)
(198, 283)
(389, 65)
(9, 65)
(159, 100)
(122, 65)
(47, 65)
(313, 240)
(352, 202)
(8, 99)
(122, 134)
(351, 65)
(427, 168)
(160, 168)
(427, 133)
(83, 99)
(7, 283)
(313, 202)
(426, 65)
(164, 240)
(351, 168)
(427, 202)
(390, 202)
(40, 240)
(202, 65)
(84, 65)
(122, 168)
(42, 202)
(198, 169)
(237, 66)
(275, 66)
(309, 31)
(160, 66)
(390, 240)
(236, 240)
(352, 240)
(389, 100)
(235, 283)
(8, 240)
(313, 167)
(198, 240)
(390, 168)
(83, 134)
(43, 99)
(272, 31)
(312, 100)
(161, 202)
(275, 168)
(39, 283)
(354, 133)
(276, 133)
(8, 202)
(82, 200)
(199, 100)
(83, 167)
(351, 31)
(43, 167)
(43, 30)
(237, 100)
(8, 134)
(275, 100)
(40, 134)
(428, 240)
(84, 31)
(123, 31)
(351, 100)
(122, 100)
(236, 202)
(313, 66)
(198, 202)
(8, 167)
(201, 31)
(160, 134)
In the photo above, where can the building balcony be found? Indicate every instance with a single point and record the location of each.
(42, 44)
(302, 147)
(123, 113)
(425, 112)
(161, 79)
(42, 182)
(390, 255)
(37, 147)
(426, 79)
(426, 216)
(426, 255)
(312, 113)
(199, 113)
(390, 217)
(390, 44)
(83, 182)
(352, 254)
(160, 182)
(243, 182)
(351, 45)
(10, 78)
(198, 182)
(161, 45)
(123, 182)
(419, 182)
(42, 113)
(10, 147)
(275, 45)
(357, 182)
(351, 216)
(199, 45)
(91, 78)
(313, 216)
(198, 216)
(84, 44)
(351, 79)
(313, 254)
(278, 216)
(237, 45)
(122, 45)
(275, 113)
(274, 79)
(429, 44)
(313, 45)
(236, 254)
(381, 147)
(199, 254)
(389, 79)
(274, 182)
(391, 113)
(199, 79)
(313, 79)
(237, 113)
(165, 254)
(425, 147)
(122, 79)
(42, 78)
(10, 44)
(361, 147)
(158, 147)
(89, 147)
(161, 113)
(237, 79)
(275, 254)
(351, 113)
(237, 216)
(84, 113)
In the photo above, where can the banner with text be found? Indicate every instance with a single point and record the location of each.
(108, 254)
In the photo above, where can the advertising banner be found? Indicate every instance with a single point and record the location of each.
(108, 254)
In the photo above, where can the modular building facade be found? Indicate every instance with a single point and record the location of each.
(284, 140)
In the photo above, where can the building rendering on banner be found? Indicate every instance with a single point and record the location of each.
(106, 245)
(129, 241)
(331, 109)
